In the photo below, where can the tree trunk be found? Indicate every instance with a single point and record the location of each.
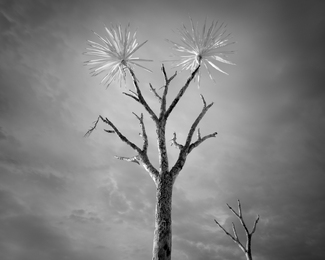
(162, 242)
(249, 256)
(249, 247)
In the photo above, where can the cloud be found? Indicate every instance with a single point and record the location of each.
(25, 235)
(60, 189)
(82, 216)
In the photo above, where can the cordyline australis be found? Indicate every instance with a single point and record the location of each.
(116, 59)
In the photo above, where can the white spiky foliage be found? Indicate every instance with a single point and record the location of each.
(115, 54)
(202, 48)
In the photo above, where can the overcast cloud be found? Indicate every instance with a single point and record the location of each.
(63, 196)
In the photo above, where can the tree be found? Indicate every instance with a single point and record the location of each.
(116, 60)
(247, 249)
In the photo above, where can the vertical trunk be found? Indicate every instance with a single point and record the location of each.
(249, 256)
(162, 242)
(249, 247)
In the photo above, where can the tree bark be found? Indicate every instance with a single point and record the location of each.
(162, 242)
(249, 256)
(248, 252)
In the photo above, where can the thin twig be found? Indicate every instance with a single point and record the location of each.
(174, 142)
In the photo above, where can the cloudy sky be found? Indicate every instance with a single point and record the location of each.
(63, 196)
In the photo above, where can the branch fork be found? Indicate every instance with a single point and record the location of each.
(245, 248)
(174, 142)
(141, 156)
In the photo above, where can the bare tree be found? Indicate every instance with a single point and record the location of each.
(115, 60)
(164, 177)
(247, 249)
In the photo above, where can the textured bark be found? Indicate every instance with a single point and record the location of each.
(162, 241)
(249, 256)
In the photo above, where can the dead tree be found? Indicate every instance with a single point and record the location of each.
(247, 249)
(165, 176)
(115, 59)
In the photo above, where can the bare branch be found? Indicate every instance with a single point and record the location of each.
(239, 209)
(152, 89)
(142, 154)
(141, 99)
(174, 142)
(167, 80)
(134, 159)
(131, 96)
(181, 93)
(164, 96)
(109, 131)
(233, 211)
(143, 134)
(237, 239)
(201, 140)
(153, 172)
(119, 134)
(164, 72)
(234, 230)
(224, 230)
(255, 223)
(198, 134)
(203, 100)
(145, 163)
(94, 127)
(195, 124)
(240, 216)
(188, 147)
(234, 238)
(161, 127)
(134, 93)
(247, 249)
(138, 117)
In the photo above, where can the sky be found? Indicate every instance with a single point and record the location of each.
(64, 196)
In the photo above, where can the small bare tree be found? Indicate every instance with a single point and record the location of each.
(247, 249)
